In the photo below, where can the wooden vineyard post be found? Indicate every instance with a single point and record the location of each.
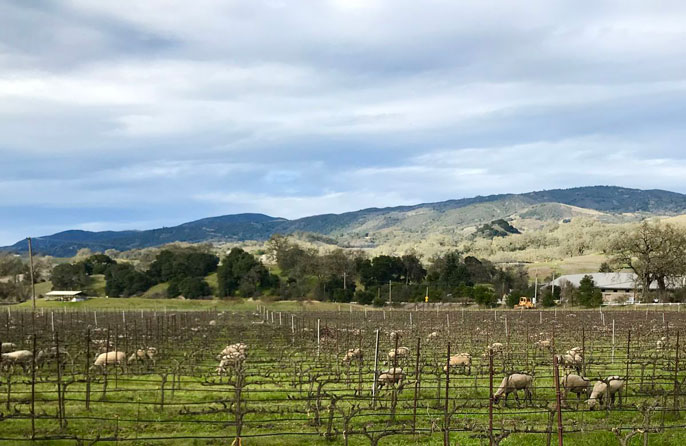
(376, 369)
(446, 421)
(490, 398)
(416, 388)
(628, 361)
(60, 402)
(556, 377)
(583, 349)
(87, 371)
(33, 390)
(676, 375)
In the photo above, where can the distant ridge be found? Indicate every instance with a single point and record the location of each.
(356, 228)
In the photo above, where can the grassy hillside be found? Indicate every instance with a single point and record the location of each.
(373, 228)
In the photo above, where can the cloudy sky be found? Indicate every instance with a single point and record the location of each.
(139, 114)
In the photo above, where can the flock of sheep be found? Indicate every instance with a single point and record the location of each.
(24, 358)
(602, 393)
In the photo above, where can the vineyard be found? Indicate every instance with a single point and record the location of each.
(344, 377)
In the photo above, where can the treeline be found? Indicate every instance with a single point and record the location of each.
(184, 270)
(303, 273)
(347, 276)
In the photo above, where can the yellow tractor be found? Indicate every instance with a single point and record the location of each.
(525, 302)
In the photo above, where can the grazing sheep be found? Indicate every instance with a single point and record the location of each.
(212, 323)
(575, 384)
(432, 336)
(514, 383)
(661, 343)
(227, 362)
(110, 358)
(395, 335)
(143, 355)
(573, 359)
(7, 347)
(400, 353)
(463, 360)
(238, 347)
(394, 375)
(20, 357)
(50, 354)
(603, 393)
(353, 354)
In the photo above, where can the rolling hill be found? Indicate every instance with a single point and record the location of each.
(376, 226)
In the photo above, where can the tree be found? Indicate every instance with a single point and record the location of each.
(513, 298)
(485, 296)
(655, 252)
(240, 271)
(449, 270)
(68, 276)
(98, 263)
(123, 280)
(605, 268)
(189, 287)
(414, 271)
(548, 299)
(588, 294)
(180, 264)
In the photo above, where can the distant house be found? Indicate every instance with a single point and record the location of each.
(616, 287)
(65, 296)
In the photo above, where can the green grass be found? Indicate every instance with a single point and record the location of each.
(237, 304)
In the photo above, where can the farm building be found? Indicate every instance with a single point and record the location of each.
(616, 287)
(65, 296)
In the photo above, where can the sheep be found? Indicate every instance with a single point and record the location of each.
(573, 359)
(50, 354)
(514, 383)
(575, 384)
(463, 360)
(661, 343)
(7, 347)
(353, 354)
(432, 336)
(395, 335)
(545, 344)
(603, 389)
(399, 353)
(143, 355)
(110, 358)
(212, 323)
(21, 357)
(233, 348)
(232, 360)
(394, 375)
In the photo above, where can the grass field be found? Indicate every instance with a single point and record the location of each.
(296, 391)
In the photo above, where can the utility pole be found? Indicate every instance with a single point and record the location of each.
(344, 287)
(33, 287)
(536, 291)
(390, 296)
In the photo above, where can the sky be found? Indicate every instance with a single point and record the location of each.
(140, 114)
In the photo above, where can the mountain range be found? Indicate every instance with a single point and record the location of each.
(374, 226)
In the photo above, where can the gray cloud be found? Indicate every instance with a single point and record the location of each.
(133, 115)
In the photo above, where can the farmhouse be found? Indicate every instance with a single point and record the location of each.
(65, 296)
(616, 287)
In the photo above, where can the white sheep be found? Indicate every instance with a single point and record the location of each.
(463, 360)
(110, 358)
(394, 375)
(432, 336)
(143, 355)
(575, 384)
(19, 357)
(353, 354)
(400, 353)
(604, 391)
(514, 383)
(7, 347)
